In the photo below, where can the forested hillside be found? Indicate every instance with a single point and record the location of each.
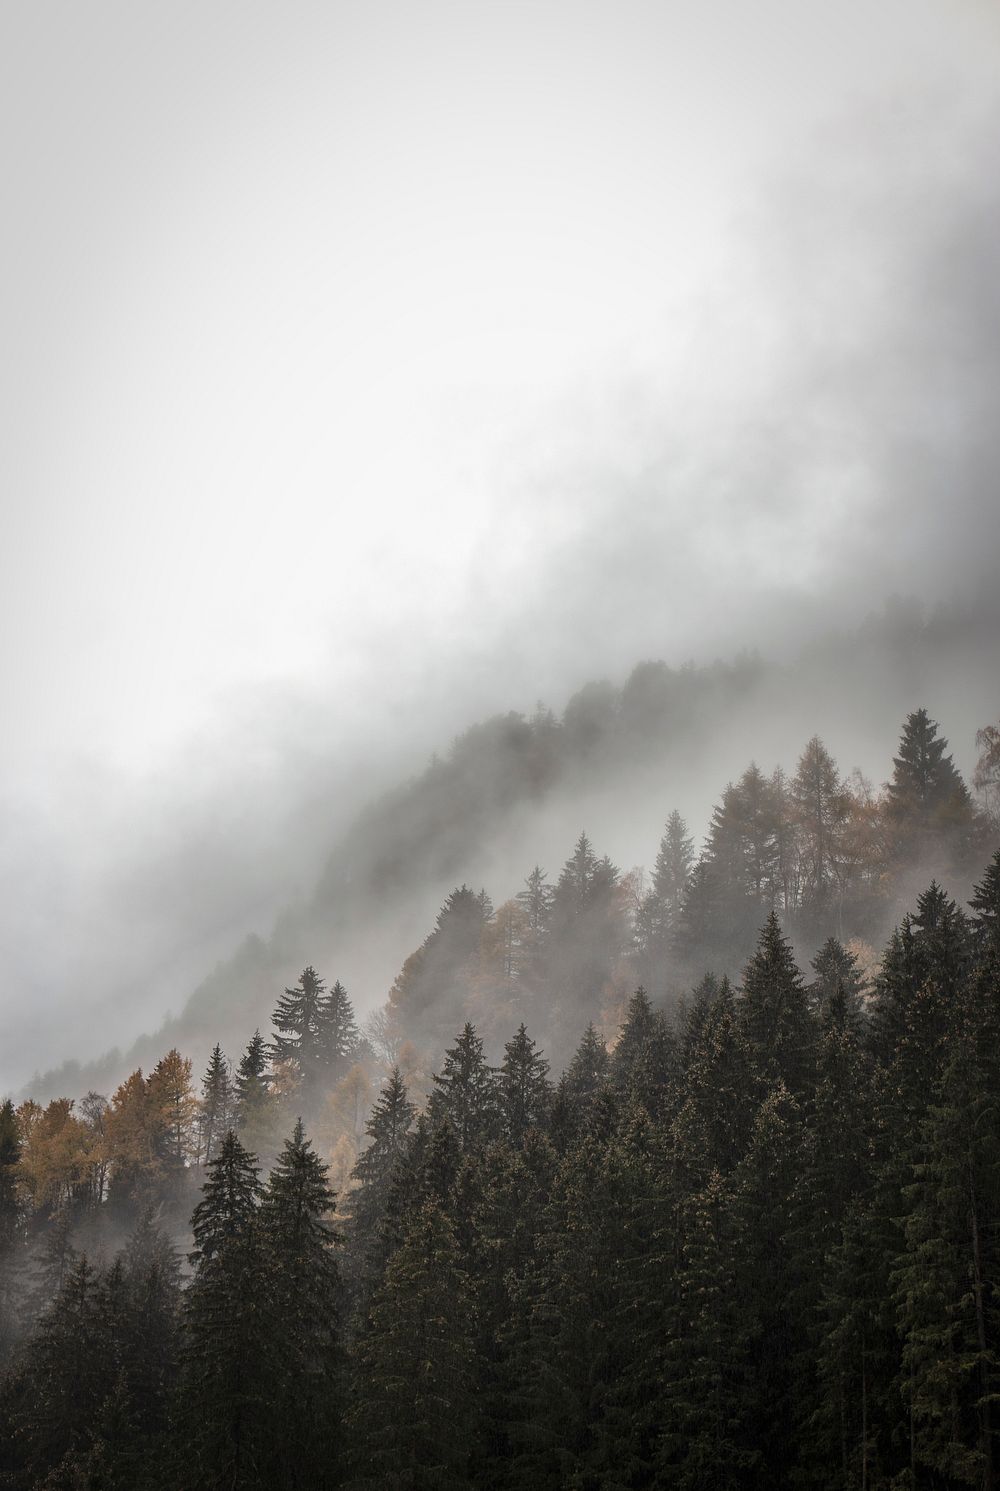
(517, 789)
(666, 1182)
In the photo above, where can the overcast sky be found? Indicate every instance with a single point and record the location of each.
(366, 366)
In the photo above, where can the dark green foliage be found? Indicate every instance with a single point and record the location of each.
(756, 1247)
(837, 974)
(525, 1094)
(773, 1014)
(416, 1364)
(226, 1384)
(466, 1091)
(642, 1061)
(299, 1021)
(302, 1310)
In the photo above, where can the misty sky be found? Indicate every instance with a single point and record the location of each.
(370, 366)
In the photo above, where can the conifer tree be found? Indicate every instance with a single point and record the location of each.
(465, 1091)
(927, 797)
(302, 1312)
(387, 1127)
(589, 1068)
(642, 1060)
(299, 1021)
(773, 1012)
(67, 1379)
(837, 975)
(217, 1104)
(536, 899)
(525, 1094)
(712, 1124)
(674, 860)
(338, 1034)
(416, 1363)
(226, 1382)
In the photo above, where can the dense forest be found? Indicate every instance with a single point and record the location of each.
(748, 1237)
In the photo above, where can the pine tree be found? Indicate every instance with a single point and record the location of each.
(465, 1091)
(299, 1023)
(927, 797)
(642, 1060)
(226, 1384)
(536, 899)
(302, 1320)
(217, 1104)
(717, 1094)
(338, 1036)
(658, 916)
(525, 1094)
(674, 861)
(416, 1364)
(837, 975)
(923, 969)
(430, 992)
(774, 1016)
(68, 1377)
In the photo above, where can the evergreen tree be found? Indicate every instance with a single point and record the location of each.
(217, 1104)
(299, 1021)
(642, 1060)
(430, 992)
(837, 976)
(251, 1087)
(338, 1034)
(525, 1094)
(927, 797)
(536, 899)
(416, 1364)
(68, 1377)
(674, 860)
(774, 1016)
(226, 1385)
(712, 1124)
(658, 915)
(465, 1091)
(302, 1309)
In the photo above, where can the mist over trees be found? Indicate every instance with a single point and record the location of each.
(519, 787)
(620, 1188)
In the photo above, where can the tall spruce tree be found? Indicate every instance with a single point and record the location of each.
(302, 1310)
(524, 1091)
(416, 1363)
(338, 1036)
(217, 1104)
(299, 1024)
(927, 800)
(773, 1012)
(226, 1383)
(465, 1091)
